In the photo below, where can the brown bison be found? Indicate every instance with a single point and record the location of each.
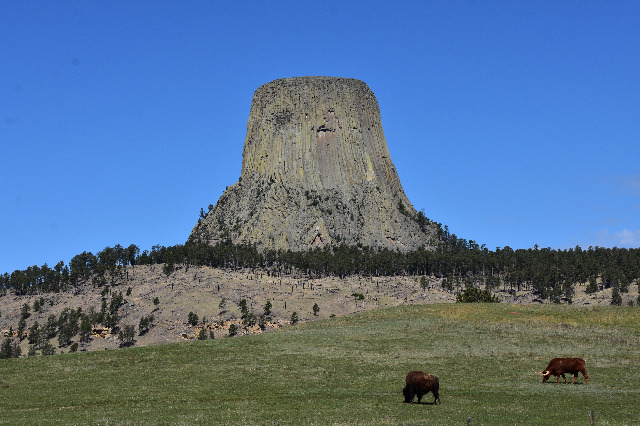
(559, 366)
(420, 383)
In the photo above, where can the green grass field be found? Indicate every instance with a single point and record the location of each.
(350, 370)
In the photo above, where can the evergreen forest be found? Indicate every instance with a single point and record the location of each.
(460, 264)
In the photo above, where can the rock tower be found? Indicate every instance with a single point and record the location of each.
(316, 171)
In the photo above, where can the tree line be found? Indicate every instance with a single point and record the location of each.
(552, 274)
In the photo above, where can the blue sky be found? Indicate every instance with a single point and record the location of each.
(514, 123)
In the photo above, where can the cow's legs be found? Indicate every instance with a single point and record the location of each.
(565, 378)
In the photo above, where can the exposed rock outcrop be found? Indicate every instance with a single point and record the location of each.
(316, 171)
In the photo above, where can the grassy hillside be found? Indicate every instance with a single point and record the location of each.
(348, 370)
(202, 289)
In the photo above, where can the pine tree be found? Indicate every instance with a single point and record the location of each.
(24, 311)
(249, 320)
(592, 287)
(145, 324)
(22, 325)
(34, 333)
(616, 298)
(48, 349)
(5, 349)
(244, 310)
(64, 335)
(51, 329)
(192, 319)
(202, 334)
(85, 329)
(127, 335)
(16, 349)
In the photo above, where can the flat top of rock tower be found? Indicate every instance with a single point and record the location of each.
(317, 81)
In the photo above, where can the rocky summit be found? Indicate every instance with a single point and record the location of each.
(316, 171)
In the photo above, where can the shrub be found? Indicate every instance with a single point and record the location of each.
(192, 319)
(294, 318)
(262, 322)
(474, 294)
(358, 296)
(202, 334)
(32, 351)
(17, 350)
(424, 282)
(167, 269)
(447, 283)
(233, 330)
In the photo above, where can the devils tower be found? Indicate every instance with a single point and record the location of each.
(316, 171)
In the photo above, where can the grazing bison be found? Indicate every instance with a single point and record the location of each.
(420, 383)
(559, 366)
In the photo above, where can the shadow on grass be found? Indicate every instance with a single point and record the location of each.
(568, 384)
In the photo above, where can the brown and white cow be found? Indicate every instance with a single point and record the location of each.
(420, 383)
(561, 366)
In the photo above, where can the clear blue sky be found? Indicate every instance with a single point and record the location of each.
(514, 123)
